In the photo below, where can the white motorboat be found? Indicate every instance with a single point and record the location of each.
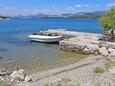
(45, 38)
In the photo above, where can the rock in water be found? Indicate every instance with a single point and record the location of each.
(1, 58)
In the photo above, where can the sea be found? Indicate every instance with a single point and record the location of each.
(17, 51)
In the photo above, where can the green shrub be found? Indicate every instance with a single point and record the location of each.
(46, 85)
(4, 84)
(19, 79)
(99, 70)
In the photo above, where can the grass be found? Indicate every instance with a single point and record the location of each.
(46, 85)
(4, 84)
(99, 70)
(112, 64)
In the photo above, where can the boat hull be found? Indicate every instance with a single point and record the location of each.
(49, 39)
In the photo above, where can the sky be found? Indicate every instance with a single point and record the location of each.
(33, 7)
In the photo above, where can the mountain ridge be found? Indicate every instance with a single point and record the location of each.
(80, 15)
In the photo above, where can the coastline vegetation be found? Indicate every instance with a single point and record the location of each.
(4, 17)
(108, 22)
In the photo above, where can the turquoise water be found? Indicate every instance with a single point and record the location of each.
(18, 52)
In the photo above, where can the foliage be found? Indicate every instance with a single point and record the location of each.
(99, 70)
(4, 17)
(108, 20)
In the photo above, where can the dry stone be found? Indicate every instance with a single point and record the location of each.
(28, 79)
(112, 70)
(20, 74)
(103, 51)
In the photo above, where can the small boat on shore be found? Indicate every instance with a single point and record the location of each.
(45, 38)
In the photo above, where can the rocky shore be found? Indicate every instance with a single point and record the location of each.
(83, 73)
(85, 43)
(11, 77)
(98, 69)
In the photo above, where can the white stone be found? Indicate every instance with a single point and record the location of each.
(20, 73)
(110, 50)
(103, 51)
(86, 51)
(28, 79)
(92, 47)
(112, 70)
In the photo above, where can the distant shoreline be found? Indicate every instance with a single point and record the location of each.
(4, 18)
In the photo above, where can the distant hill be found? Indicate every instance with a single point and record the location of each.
(30, 16)
(81, 15)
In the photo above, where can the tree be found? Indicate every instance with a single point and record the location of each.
(108, 21)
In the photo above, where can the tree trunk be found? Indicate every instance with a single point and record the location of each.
(112, 35)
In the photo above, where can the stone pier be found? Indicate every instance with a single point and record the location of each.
(81, 42)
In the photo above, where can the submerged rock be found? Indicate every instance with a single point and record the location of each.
(1, 58)
(3, 50)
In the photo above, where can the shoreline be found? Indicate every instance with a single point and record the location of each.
(84, 66)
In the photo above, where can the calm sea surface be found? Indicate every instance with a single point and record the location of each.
(16, 51)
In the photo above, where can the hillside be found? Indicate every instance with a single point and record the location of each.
(81, 15)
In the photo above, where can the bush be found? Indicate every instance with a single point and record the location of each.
(19, 79)
(46, 85)
(99, 70)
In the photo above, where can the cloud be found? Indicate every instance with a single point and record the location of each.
(78, 6)
(12, 11)
(81, 5)
(111, 5)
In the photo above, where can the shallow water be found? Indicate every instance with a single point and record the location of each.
(18, 52)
